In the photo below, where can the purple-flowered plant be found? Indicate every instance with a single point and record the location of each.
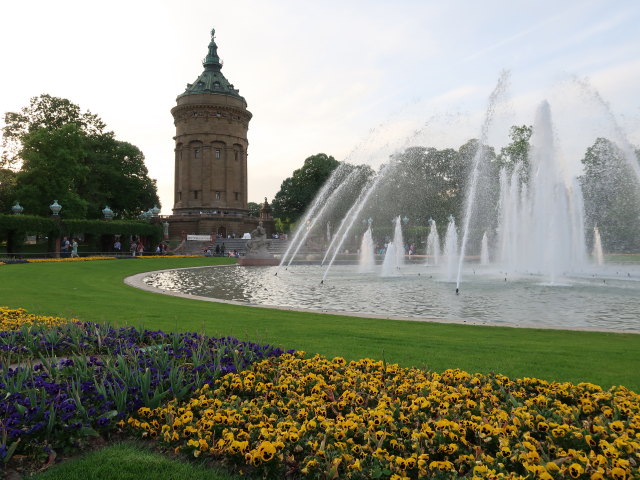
(65, 383)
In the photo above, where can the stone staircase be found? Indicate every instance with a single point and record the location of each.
(277, 247)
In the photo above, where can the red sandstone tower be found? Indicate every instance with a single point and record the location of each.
(211, 120)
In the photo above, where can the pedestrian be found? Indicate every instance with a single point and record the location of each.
(117, 246)
(74, 249)
(133, 248)
(64, 247)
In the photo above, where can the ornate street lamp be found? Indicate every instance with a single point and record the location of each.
(405, 220)
(17, 208)
(165, 229)
(370, 221)
(55, 208)
(107, 213)
(155, 211)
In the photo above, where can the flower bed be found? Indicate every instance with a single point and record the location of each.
(17, 318)
(89, 259)
(290, 417)
(62, 382)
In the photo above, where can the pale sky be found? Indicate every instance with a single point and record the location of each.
(353, 79)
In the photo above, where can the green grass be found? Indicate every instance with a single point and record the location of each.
(95, 291)
(130, 461)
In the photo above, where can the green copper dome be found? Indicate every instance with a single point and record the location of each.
(212, 80)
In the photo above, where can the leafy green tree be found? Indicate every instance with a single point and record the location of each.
(298, 191)
(47, 112)
(52, 168)
(254, 209)
(7, 190)
(611, 197)
(517, 152)
(119, 178)
(65, 154)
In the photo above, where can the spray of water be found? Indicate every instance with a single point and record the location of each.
(433, 244)
(303, 233)
(367, 260)
(319, 201)
(541, 227)
(598, 254)
(494, 99)
(451, 248)
(621, 137)
(349, 219)
(484, 250)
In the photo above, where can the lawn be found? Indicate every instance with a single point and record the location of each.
(94, 291)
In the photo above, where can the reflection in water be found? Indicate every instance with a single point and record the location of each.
(609, 302)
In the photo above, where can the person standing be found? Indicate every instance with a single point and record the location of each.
(64, 247)
(74, 249)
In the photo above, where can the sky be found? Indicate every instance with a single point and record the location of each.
(358, 80)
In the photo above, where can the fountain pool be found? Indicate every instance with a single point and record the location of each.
(606, 298)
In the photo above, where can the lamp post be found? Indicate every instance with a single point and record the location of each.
(17, 208)
(107, 213)
(55, 208)
(165, 230)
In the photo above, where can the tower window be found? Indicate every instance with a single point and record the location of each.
(217, 153)
(196, 153)
(195, 194)
(237, 195)
(217, 195)
(235, 153)
(179, 196)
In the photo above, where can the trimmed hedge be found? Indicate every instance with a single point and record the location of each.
(15, 227)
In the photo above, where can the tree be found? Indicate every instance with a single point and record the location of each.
(65, 154)
(517, 152)
(611, 197)
(52, 168)
(254, 209)
(298, 191)
(47, 112)
(7, 189)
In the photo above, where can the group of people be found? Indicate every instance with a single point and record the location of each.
(137, 247)
(219, 251)
(69, 248)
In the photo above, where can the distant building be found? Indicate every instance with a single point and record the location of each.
(211, 119)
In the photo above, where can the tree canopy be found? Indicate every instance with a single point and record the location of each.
(65, 154)
(298, 191)
(611, 197)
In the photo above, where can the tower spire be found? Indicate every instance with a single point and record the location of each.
(212, 60)
(212, 80)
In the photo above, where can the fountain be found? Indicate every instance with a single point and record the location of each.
(484, 250)
(530, 243)
(367, 259)
(433, 244)
(541, 225)
(394, 256)
(598, 255)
